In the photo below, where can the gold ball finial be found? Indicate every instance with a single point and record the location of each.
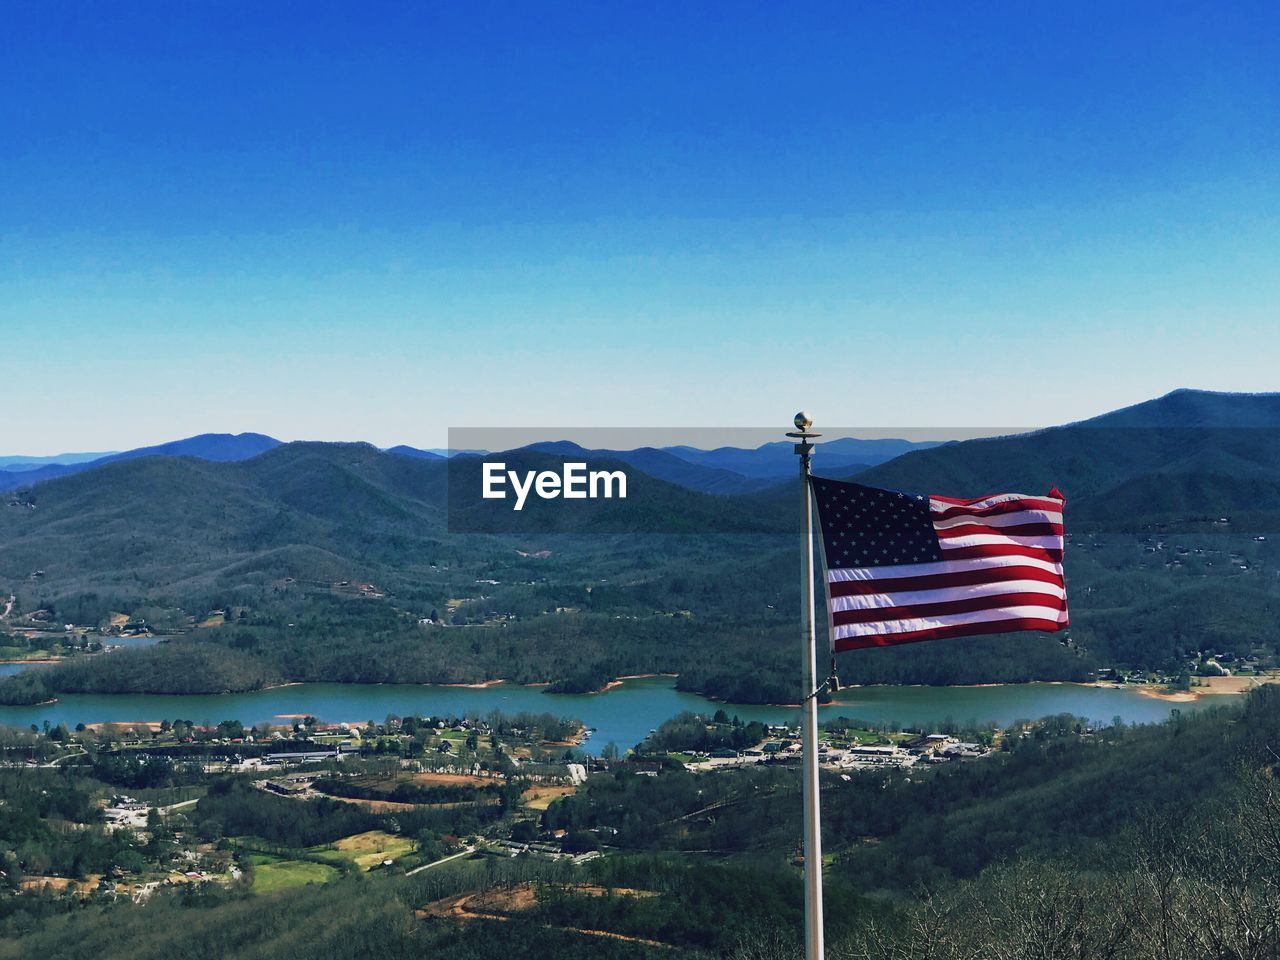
(803, 422)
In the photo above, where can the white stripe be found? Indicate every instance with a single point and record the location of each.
(1048, 542)
(870, 601)
(889, 627)
(938, 505)
(1002, 519)
(897, 571)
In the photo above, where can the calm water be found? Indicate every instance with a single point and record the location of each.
(624, 715)
(130, 643)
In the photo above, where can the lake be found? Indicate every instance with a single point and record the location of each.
(126, 643)
(9, 669)
(623, 715)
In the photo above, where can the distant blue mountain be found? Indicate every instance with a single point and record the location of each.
(406, 451)
(433, 453)
(727, 470)
(736, 470)
(1186, 454)
(207, 446)
(664, 466)
(13, 479)
(220, 447)
(17, 464)
(777, 461)
(1196, 408)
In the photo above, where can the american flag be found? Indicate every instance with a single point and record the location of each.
(905, 567)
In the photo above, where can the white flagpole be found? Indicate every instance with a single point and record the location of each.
(813, 943)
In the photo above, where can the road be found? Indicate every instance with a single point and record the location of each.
(436, 863)
(8, 608)
(176, 806)
(137, 819)
(66, 756)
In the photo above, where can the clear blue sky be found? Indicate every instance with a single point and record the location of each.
(374, 221)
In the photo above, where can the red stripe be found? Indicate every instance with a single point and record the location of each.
(970, 501)
(941, 581)
(1039, 529)
(1009, 506)
(940, 609)
(943, 633)
(982, 550)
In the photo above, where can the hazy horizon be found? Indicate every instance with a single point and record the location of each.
(621, 436)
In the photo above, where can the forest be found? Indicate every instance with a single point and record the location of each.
(1134, 607)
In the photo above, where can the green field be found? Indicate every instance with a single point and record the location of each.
(273, 873)
(863, 736)
(682, 757)
(24, 653)
(366, 850)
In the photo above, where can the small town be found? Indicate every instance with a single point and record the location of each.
(494, 782)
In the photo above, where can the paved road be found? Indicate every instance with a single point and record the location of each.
(436, 863)
(177, 806)
(66, 756)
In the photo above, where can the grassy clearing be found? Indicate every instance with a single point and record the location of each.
(866, 737)
(164, 796)
(25, 653)
(539, 798)
(378, 806)
(273, 873)
(62, 884)
(367, 850)
(453, 780)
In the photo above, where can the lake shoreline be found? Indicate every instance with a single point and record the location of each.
(1232, 686)
(1209, 687)
(636, 706)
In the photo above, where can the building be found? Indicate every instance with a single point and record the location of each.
(862, 756)
(288, 788)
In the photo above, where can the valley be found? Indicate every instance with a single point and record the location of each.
(320, 563)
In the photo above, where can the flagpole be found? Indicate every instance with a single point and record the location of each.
(813, 941)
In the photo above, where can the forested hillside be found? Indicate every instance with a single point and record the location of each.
(1184, 460)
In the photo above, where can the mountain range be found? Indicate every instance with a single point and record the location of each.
(1191, 456)
(20, 463)
(724, 470)
(321, 548)
(216, 447)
